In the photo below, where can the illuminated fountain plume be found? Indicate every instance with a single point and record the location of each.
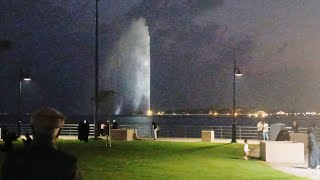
(129, 69)
(118, 108)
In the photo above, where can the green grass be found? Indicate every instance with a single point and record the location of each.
(166, 160)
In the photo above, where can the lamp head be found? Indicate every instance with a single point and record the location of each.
(24, 76)
(27, 78)
(237, 72)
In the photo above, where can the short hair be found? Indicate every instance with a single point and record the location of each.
(245, 140)
(47, 118)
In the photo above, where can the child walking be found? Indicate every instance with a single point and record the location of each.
(246, 149)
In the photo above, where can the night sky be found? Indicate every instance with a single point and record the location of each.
(192, 45)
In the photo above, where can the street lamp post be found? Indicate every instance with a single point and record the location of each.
(96, 101)
(22, 77)
(236, 72)
(5, 45)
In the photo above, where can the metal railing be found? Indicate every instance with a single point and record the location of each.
(67, 129)
(223, 132)
(183, 131)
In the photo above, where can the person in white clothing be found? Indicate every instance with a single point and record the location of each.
(102, 125)
(259, 129)
(246, 149)
(265, 131)
(155, 128)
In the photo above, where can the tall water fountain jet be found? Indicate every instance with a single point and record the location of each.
(128, 69)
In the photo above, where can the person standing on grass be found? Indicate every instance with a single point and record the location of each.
(155, 129)
(42, 160)
(102, 125)
(259, 129)
(80, 131)
(265, 131)
(83, 131)
(246, 149)
(86, 130)
(114, 124)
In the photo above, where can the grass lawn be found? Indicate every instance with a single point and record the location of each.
(166, 160)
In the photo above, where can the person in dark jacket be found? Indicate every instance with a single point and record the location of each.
(41, 160)
(114, 124)
(313, 149)
(19, 129)
(83, 131)
(80, 131)
(4, 131)
(86, 130)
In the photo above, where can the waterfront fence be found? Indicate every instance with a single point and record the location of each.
(223, 132)
(168, 131)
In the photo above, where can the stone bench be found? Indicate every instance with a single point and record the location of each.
(207, 136)
(282, 151)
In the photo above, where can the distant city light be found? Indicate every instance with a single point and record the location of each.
(311, 113)
(280, 113)
(149, 113)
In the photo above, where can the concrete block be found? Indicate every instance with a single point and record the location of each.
(300, 137)
(122, 134)
(282, 151)
(207, 136)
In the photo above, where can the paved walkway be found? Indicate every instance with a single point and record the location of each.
(199, 140)
(298, 170)
(295, 169)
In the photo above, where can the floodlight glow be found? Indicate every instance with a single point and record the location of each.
(149, 112)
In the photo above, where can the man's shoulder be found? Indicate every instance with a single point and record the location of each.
(43, 151)
(36, 162)
(66, 155)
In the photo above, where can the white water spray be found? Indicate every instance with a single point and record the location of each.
(128, 69)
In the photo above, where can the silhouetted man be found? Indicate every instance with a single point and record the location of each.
(19, 129)
(81, 131)
(42, 160)
(8, 138)
(4, 131)
(114, 124)
(86, 130)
